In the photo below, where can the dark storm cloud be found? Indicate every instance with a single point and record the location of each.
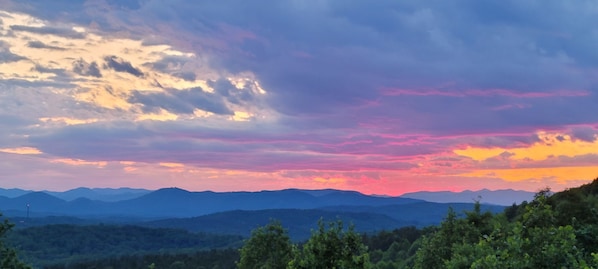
(120, 65)
(47, 30)
(181, 101)
(84, 68)
(41, 45)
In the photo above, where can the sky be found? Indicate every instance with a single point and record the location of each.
(381, 97)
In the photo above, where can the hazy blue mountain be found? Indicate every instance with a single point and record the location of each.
(181, 203)
(38, 203)
(498, 197)
(299, 222)
(418, 214)
(175, 202)
(100, 194)
(11, 193)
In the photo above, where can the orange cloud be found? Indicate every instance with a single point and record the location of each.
(558, 174)
(172, 165)
(550, 145)
(22, 150)
(68, 121)
(78, 162)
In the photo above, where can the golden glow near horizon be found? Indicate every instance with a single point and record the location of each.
(558, 174)
(550, 145)
(538, 161)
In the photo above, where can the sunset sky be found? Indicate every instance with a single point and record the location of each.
(382, 97)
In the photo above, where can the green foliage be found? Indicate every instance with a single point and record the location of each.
(333, 247)
(52, 244)
(394, 249)
(8, 256)
(216, 258)
(540, 234)
(269, 247)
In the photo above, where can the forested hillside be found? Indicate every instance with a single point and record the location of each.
(551, 231)
(68, 244)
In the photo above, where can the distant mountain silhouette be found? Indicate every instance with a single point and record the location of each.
(179, 203)
(418, 214)
(299, 222)
(100, 194)
(232, 212)
(498, 197)
(12, 193)
(175, 202)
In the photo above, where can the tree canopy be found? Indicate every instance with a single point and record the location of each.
(330, 246)
(8, 255)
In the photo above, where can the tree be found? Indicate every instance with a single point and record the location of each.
(437, 247)
(269, 247)
(334, 248)
(8, 256)
(535, 240)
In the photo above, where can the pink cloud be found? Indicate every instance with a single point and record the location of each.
(484, 93)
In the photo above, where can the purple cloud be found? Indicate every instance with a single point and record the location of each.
(181, 101)
(63, 32)
(120, 65)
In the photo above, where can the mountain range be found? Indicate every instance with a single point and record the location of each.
(175, 202)
(484, 196)
(223, 212)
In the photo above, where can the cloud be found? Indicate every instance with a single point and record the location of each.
(57, 71)
(84, 68)
(47, 30)
(202, 147)
(40, 45)
(338, 89)
(25, 83)
(443, 64)
(225, 88)
(6, 55)
(120, 65)
(587, 134)
(21, 150)
(184, 101)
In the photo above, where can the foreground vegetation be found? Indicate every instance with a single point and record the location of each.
(553, 231)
